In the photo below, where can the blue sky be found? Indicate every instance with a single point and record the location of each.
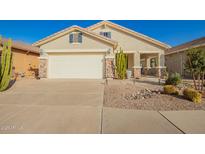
(172, 32)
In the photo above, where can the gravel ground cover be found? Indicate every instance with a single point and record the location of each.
(144, 96)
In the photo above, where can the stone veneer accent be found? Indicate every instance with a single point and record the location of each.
(109, 66)
(43, 68)
(137, 72)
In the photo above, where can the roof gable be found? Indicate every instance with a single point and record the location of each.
(128, 31)
(71, 29)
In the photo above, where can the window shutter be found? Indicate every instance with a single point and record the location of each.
(109, 34)
(71, 38)
(80, 38)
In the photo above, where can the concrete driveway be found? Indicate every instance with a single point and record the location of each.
(52, 106)
(76, 106)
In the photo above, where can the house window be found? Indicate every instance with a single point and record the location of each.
(75, 37)
(106, 34)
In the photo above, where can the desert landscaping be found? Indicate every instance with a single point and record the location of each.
(113, 80)
(145, 95)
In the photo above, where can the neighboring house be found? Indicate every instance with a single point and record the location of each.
(175, 57)
(25, 58)
(78, 52)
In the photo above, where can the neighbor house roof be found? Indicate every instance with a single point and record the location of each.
(131, 32)
(70, 29)
(192, 44)
(22, 46)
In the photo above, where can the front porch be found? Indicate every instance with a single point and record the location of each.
(146, 64)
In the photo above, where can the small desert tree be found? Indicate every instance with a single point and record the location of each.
(195, 64)
(121, 64)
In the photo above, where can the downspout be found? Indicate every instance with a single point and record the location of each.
(181, 65)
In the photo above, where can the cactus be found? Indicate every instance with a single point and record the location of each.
(121, 64)
(6, 66)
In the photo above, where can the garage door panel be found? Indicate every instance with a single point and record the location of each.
(76, 66)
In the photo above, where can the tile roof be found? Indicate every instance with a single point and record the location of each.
(195, 43)
(22, 46)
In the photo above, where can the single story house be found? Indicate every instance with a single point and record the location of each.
(77, 52)
(175, 57)
(25, 59)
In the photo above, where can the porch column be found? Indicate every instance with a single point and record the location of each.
(147, 65)
(158, 71)
(109, 67)
(136, 67)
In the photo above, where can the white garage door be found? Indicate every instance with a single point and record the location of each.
(76, 66)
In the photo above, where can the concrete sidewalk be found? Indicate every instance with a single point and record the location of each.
(190, 122)
(123, 121)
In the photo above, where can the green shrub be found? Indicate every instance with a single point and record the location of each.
(174, 79)
(170, 89)
(192, 95)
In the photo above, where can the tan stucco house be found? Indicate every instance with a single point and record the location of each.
(77, 52)
(175, 57)
(25, 59)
